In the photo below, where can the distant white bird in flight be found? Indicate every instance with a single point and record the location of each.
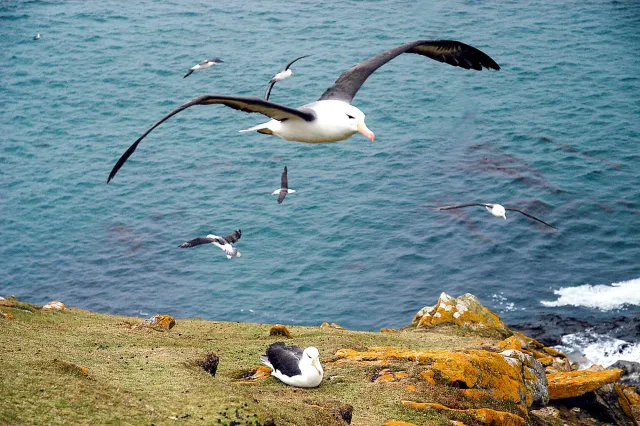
(37, 37)
(495, 209)
(284, 187)
(331, 118)
(223, 242)
(285, 73)
(203, 66)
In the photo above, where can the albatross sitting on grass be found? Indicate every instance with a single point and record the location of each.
(294, 366)
(331, 118)
(223, 242)
(495, 209)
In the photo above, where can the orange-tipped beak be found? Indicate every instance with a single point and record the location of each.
(362, 128)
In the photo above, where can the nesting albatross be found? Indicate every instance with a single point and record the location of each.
(495, 209)
(223, 242)
(285, 73)
(294, 366)
(331, 118)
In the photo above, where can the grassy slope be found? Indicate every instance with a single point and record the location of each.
(143, 376)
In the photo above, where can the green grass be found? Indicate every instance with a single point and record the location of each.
(144, 376)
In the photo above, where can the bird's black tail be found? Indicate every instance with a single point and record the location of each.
(188, 74)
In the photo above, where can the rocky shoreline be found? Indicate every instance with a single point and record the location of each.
(456, 362)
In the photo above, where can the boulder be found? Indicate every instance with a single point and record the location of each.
(464, 311)
(629, 401)
(570, 384)
(158, 322)
(332, 325)
(631, 375)
(550, 358)
(56, 305)
(483, 415)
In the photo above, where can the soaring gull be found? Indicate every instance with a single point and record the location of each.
(283, 74)
(284, 187)
(223, 242)
(203, 66)
(331, 118)
(495, 209)
(294, 366)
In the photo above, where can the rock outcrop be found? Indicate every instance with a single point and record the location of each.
(570, 384)
(464, 311)
(483, 415)
(55, 305)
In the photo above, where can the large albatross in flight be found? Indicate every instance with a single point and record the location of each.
(223, 242)
(495, 209)
(331, 118)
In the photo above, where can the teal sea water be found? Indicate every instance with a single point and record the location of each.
(556, 132)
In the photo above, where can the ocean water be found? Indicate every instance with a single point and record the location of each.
(555, 132)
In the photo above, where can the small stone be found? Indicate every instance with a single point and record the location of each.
(280, 330)
(158, 322)
(332, 325)
(548, 411)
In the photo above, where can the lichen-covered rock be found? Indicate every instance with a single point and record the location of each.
(332, 325)
(629, 401)
(483, 415)
(464, 311)
(515, 377)
(388, 330)
(3, 315)
(386, 375)
(548, 357)
(280, 330)
(158, 322)
(56, 305)
(575, 383)
(549, 411)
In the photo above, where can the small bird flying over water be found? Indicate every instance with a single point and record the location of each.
(284, 187)
(283, 74)
(495, 209)
(331, 118)
(36, 37)
(294, 366)
(203, 66)
(223, 242)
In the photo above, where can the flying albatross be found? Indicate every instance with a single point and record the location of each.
(283, 74)
(294, 366)
(495, 209)
(331, 118)
(203, 66)
(284, 187)
(223, 242)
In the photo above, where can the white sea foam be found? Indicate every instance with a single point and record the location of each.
(589, 348)
(603, 297)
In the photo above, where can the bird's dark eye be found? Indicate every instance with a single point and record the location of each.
(350, 116)
(309, 355)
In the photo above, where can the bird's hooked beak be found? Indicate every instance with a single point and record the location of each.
(362, 128)
(316, 365)
(504, 216)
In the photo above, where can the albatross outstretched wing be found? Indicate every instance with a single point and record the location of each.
(457, 206)
(530, 216)
(242, 103)
(452, 52)
(232, 238)
(196, 242)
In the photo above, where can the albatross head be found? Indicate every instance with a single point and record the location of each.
(355, 120)
(311, 356)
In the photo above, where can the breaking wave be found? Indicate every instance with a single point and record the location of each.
(602, 297)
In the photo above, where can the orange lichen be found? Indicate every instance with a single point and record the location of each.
(410, 388)
(280, 330)
(397, 423)
(8, 316)
(158, 322)
(428, 376)
(484, 415)
(387, 375)
(388, 330)
(464, 311)
(629, 401)
(479, 373)
(575, 383)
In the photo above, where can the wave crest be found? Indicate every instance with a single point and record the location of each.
(602, 297)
